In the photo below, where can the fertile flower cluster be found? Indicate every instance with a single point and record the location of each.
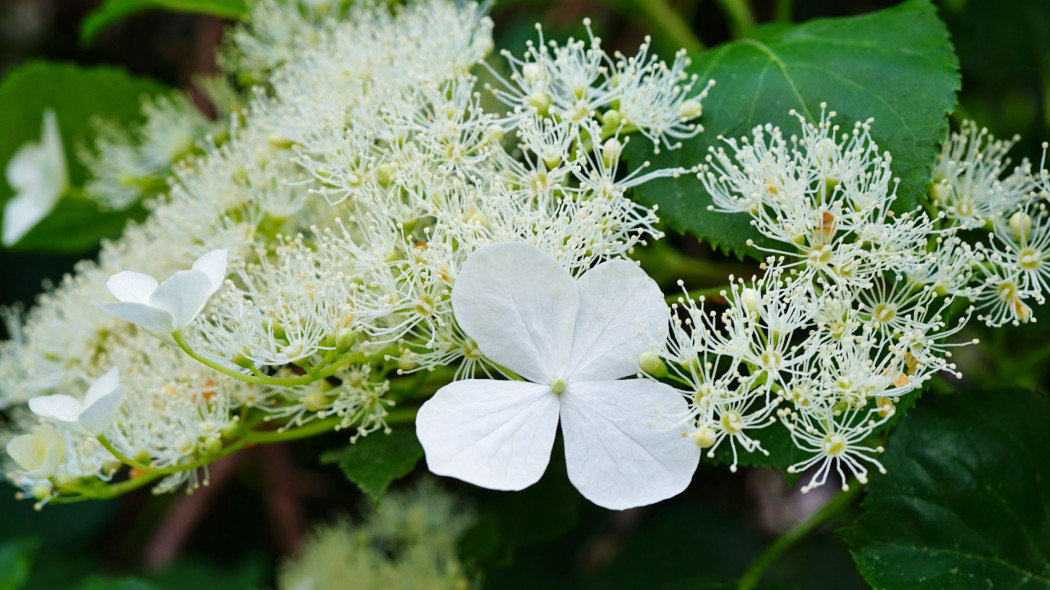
(976, 188)
(128, 164)
(328, 228)
(854, 309)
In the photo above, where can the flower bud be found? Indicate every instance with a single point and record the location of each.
(1021, 226)
(690, 109)
(704, 437)
(651, 364)
(345, 340)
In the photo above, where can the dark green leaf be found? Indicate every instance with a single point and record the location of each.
(709, 583)
(116, 584)
(966, 503)
(374, 461)
(76, 94)
(542, 511)
(16, 559)
(896, 65)
(194, 574)
(112, 11)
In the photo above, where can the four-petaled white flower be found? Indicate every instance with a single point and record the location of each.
(89, 417)
(171, 305)
(40, 452)
(37, 172)
(571, 340)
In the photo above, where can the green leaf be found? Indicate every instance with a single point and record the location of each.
(115, 10)
(76, 94)
(712, 583)
(115, 584)
(896, 65)
(16, 559)
(374, 461)
(966, 503)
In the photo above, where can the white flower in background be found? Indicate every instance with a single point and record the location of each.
(37, 173)
(39, 453)
(91, 416)
(571, 340)
(171, 305)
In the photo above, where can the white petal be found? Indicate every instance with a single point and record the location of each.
(23, 212)
(132, 287)
(24, 169)
(213, 265)
(183, 295)
(99, 414)
(60, 409)
(26, 452)
(495, 434)
(519, 305)
(102, 386)
(151, 318)
(624, 446)
(39, 453)
(54, 164)
(622, 313)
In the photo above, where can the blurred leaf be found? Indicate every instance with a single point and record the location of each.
(710, 583)
(194, 574)
(116, 584)
(113, 11)
(896, 65)
(16, 560)
(374, 461)
(76, 94)
(77, 225)
(966, 503)
(542, 511)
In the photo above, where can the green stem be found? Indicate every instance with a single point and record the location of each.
(670, 24)
(738, 13)
(120, 456)
(783, 11)
(252, 437)
(793, 535)
(320, 372)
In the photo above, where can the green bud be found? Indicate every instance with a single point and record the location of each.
(651, 364)
(345, 340)
(211, 445)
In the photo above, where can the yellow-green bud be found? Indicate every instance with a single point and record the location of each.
(1021, 225)
(704, 437)
(690, 109)
(315, 402)
(212, 445)
(651, 364)
(345, 340)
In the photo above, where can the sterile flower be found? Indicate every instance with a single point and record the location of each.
(37, 172)
(171, 305)
(91, 416)
(39, 453)
(571, 340)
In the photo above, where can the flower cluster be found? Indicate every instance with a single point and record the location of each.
(328, 226)
(856, 307)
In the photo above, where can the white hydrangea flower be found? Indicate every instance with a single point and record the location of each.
(37, 172)
(89, 417)
(171, 305)
(39, 453)
(571, 340)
